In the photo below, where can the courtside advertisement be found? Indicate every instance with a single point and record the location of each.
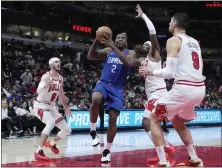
(133, 118)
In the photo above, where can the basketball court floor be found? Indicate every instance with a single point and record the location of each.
(130, 149)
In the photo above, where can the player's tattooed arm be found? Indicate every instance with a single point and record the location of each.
(95, 54)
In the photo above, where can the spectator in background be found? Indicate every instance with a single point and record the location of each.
(17, 86)
(78, 59)
(128, 106)
(27, 117)
(17, 104)
(82, 105)
(33, 88)
(6, 120)
(131, 94)
(68, 68)
(15, 118)
(26, 77)
(7, 85)
(72, 106)
(24, 90)
(12, 95)
(31, 61)
(4, 109)
(30, 105)
(7, 73)
(136, 105)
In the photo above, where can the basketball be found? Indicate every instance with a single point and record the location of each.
(100, 32)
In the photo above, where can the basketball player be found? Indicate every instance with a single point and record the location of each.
(49, 89)
(110, 88)
(184, 64)
(155, 87)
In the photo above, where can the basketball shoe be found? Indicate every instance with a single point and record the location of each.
(106, 156)
(41, 156)
(95, 138)
(53, 148)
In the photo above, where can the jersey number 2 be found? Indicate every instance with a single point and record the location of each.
(53, 97)
(195, 58)
(113, 69)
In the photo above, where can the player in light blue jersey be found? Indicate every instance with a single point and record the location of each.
(118, 61)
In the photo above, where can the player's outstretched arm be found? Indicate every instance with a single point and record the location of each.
(155, 49)
(94, 54)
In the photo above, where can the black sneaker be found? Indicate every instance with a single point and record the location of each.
(95, 139)
(106, 156)
(165, 130)
(13, 135)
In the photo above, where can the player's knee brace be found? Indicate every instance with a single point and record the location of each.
(64, 132)
(49, 127)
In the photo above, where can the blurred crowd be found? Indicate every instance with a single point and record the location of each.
(119, 16)
(62, 9)
(24, 64)
(122, 8)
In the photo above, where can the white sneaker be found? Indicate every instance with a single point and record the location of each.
(106, 157)
(196, 163)
(164, 164)
(95, 138)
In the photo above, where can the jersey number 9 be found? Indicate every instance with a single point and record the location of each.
(195, 58)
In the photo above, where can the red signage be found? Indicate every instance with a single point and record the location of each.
(84, 29)
(214, 5)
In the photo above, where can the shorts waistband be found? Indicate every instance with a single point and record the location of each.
(189, 83)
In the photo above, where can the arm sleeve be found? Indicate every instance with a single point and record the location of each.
(149, 24)
(169, 71)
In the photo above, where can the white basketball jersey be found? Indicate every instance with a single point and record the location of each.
(49, 95)
(152, 83)
(189, 62)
